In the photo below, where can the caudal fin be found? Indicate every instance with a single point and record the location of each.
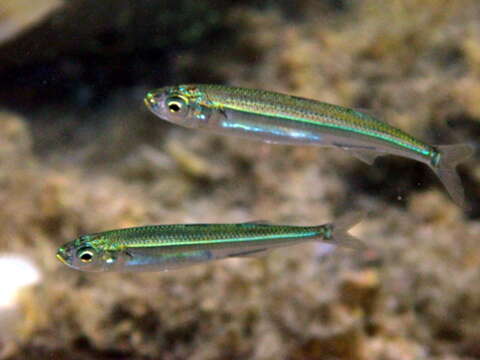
(340, 235)
(450, 156)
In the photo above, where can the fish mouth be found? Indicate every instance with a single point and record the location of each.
(150, 101)
(59, 257)
(64, 256)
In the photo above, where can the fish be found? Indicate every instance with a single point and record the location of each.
(284, 119)
(167, 247)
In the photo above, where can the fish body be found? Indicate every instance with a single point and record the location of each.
(165, 247)
(283, 119)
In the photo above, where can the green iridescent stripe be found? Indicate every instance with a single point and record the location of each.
(220, 241)
(344, 128)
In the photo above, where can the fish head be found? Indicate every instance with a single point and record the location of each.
(184, 105)
(87, 254)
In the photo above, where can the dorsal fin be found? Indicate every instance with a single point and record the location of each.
(371, 113)
(257, 222)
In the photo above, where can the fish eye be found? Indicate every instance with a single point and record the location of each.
(175, 104)
(86, 255)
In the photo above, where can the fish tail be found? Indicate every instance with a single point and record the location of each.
(444, 164)
(339, 231)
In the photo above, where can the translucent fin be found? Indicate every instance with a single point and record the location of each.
(365, 155)
(257, 222)
(238, 252)
(371, 113)
(324, 249)
(450, 156)
(340, 233)
(250, 253)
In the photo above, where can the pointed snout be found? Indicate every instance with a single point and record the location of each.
(150, 101)
(64, 255)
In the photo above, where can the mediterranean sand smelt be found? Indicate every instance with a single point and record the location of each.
(283, 119)
(165, 247)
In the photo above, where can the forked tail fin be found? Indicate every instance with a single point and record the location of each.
(340, 235)
(449, 157)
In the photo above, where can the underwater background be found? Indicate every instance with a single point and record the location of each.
(80, 153)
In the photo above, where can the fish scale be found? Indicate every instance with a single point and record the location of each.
(320, 113)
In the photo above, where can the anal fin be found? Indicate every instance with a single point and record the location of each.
(364, 155)
(249, 253)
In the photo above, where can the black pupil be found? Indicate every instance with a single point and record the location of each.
(86, 256)
(174, 107)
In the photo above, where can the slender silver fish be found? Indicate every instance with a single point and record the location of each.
(165, 247)
(283, 119)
